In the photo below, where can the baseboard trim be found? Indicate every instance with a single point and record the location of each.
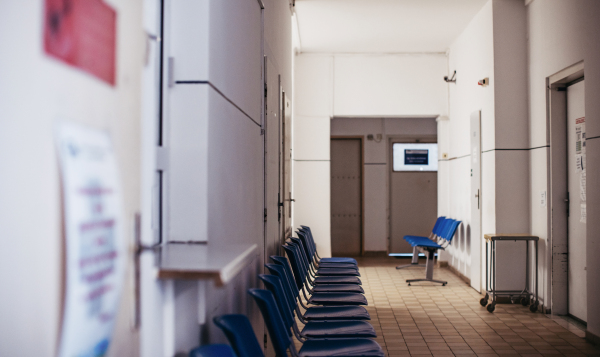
(443, 264)
(592, 338)
(375, 253)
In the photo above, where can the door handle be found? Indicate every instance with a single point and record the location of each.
(477, 195)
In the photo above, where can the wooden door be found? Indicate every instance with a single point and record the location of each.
(346, 197)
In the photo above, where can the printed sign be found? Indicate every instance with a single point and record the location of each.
(82, 33)
(95, 245)
(416, 157)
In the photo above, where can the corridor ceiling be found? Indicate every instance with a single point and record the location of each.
(382, 26)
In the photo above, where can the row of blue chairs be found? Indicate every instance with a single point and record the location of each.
(440, 238)
(334, 318)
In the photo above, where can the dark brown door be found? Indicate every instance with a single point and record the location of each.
(346, 197)
(413, 206)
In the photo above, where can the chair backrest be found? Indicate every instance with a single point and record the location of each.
(436, 226)
(310, 251)
(239, 333)
(299, 276)
(273, 284)
(302, 237)
(275, 325)
(450, 230)
(300, 260)
(442, 228)
(216, 350)
(285, 273)
(301, 252)
(310, 236)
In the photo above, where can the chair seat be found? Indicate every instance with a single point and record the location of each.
(339, 260)
(332, 272)
(337, 299)
(341, 347)
(426, 242)
(338, 329)
(216, 350)
(348, 288)
(338, 266)
(353, 312)
(337, 280)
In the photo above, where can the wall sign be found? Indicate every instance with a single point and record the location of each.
(82, 33)
(95, 245)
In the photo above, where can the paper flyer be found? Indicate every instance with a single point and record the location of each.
(95, 245)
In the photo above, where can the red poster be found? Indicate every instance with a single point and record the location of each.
(83, 34)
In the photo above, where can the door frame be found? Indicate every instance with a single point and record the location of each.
(408, 139)
(362, 184)
(556, 137)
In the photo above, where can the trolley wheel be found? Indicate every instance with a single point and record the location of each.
(444, 284)
(534, 307)
(483, 302)
(408, 284)
(525, 301)
(491, 307)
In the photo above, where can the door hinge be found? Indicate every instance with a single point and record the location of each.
(265, 341)
(265, 214)
(265, 90)
(262, 131)
(568, 201)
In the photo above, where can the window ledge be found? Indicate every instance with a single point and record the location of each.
(203, 261)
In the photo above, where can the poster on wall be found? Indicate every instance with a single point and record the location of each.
(580, 157)
(83, 34)
(94, 241)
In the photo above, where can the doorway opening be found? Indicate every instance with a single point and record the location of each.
(567, 188)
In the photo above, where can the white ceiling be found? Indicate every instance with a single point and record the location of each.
(382, 26)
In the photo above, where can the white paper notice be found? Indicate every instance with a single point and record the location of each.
(582, 186)
(95, 247)
(583, 217)
(543, 198)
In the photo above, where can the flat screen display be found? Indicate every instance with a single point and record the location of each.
(415, 157)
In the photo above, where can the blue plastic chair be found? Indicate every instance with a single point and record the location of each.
(311, 240)
(321, 298)
(339, 312)
(300, 272)
(333, 269)
(431, 247)
(239, 333)
(314, 329)
(212, 351)
(311, 259)
(435, 232)
(349, 347)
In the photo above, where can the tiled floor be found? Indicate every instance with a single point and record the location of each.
(431, 320)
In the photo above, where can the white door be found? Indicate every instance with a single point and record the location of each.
(476, 246)
(577, 200)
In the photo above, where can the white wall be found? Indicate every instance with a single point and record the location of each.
(333, 85)
(472, 57)
(493, 45)
(377, 167)
(213, 117)
(36, 92)
(562, 33)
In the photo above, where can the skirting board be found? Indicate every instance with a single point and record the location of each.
(375, 253)
(592, 338)
(443, 264)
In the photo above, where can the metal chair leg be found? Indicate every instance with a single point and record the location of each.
(428, 270)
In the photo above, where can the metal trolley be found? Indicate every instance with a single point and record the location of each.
(526, 297)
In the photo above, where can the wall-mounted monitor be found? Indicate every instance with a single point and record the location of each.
(415, 157)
